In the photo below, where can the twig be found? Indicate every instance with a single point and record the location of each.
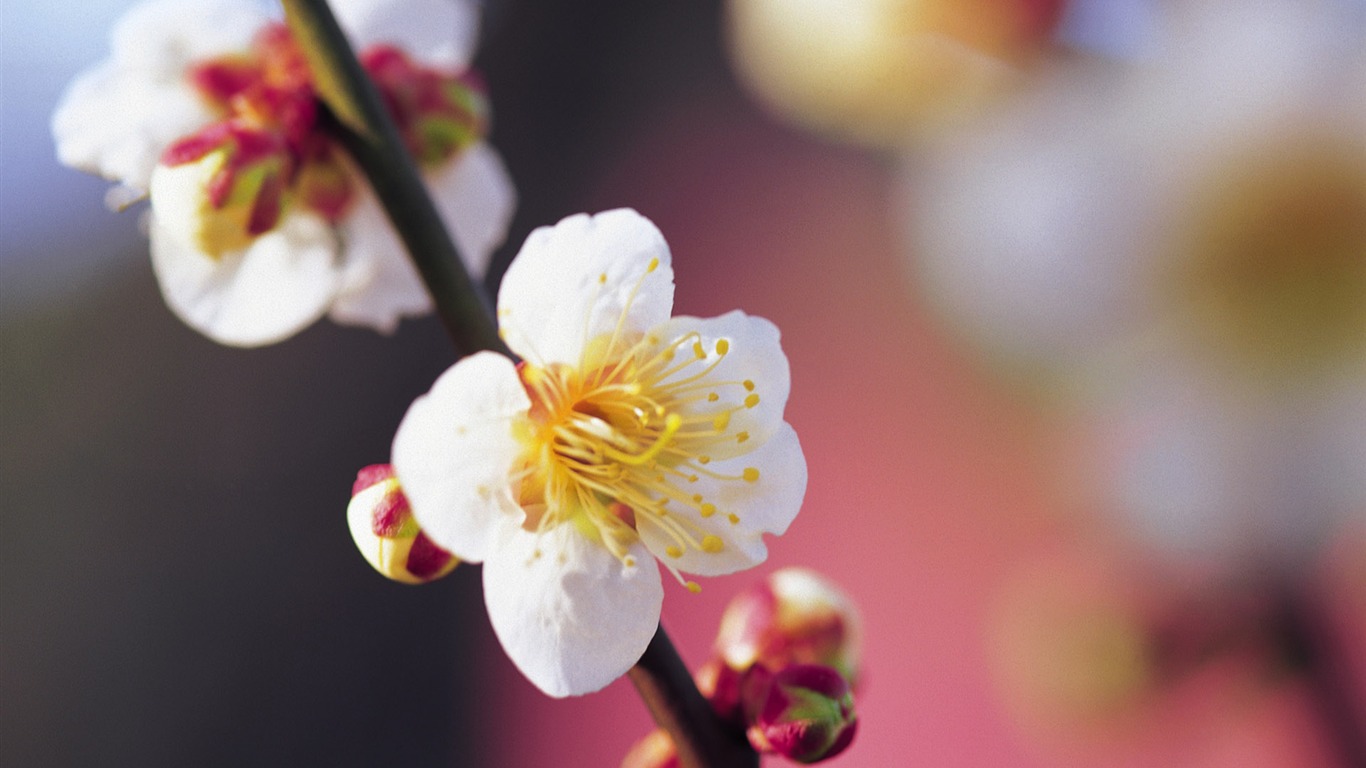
(678, 707)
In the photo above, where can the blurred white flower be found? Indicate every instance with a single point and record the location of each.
(886, 71)
(259, 224)
(1184, 237)
(625, 436)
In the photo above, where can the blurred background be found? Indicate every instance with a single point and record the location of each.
(1077, 372)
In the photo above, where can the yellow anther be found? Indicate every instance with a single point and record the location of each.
(692, 478)
(751, 401)
(693, 587)
(712, 544)
(751, 475)
(630, 562)
(654, 264)
(749, 385)
(722, 346)
(741, 437)
(673, 551)
(712, 397)
(721, 421)
(697, 498)
(734, 518)
(708, 509)
(602, 278)
(704, 460)
(698, 350)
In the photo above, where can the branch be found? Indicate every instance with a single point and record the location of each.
(678, 707)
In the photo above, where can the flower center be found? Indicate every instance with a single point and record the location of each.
(267, 153)
(1271, 266)
(624, 442)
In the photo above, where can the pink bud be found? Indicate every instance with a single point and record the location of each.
(794, 617)
(803, 712)
(384, 530)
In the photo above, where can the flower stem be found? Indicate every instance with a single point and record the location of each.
(678, 707)
(358, 119)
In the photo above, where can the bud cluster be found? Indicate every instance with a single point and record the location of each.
(785, 664)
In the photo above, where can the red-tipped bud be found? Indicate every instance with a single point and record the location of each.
(720, 683)
(384, 530)
(794, 617)
(804, 712)
(654, 751)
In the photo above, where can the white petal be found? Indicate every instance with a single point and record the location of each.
(116, 124)
(263, 294)
(767, 505)
(755, 355)
(572, 617)
(436, 32)
(455, 449)
(575, 281)
(163, 37)
(116, 118)
(380, 285)
(475, 197)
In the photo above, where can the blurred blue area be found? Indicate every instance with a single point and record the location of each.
(50, 215)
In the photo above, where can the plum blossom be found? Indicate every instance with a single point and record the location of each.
(259, 223)
(1182, 242)
(625, 437)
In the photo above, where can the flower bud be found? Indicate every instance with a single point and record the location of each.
(720, 684)
(384, 530)
(794, 617)
(804, 712)
(220, 188)
(654, 751)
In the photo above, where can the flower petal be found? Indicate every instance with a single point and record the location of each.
(767, 505)
(578, 280)
(753, 370)
(271, 290)
(379, 283)
(116, 118)
(116, 124)
(163, 37)
(454, 452)
(476, 199)
(437, 32)
(571, 616)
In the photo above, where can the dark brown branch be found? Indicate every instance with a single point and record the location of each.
(701, 739)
